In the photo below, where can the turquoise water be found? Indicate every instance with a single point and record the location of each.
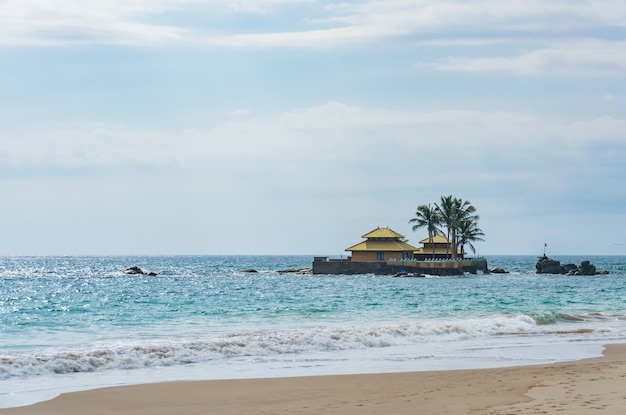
(80, 322)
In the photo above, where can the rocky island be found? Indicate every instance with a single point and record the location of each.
(547, 265)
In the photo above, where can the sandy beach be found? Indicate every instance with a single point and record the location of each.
(583, 387)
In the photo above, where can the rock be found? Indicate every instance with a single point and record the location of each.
(498, 270)
(587, 268)
(570, 267)
(299, 271)
(250, 271)
(546, 265)
(404, 274)
(135, 270)
(602, 272)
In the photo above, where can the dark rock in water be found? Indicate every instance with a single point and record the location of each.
(498, 270)
(546, 265)
(570, 267)
(250, 271)
(404, 274)
(587, 268)
(135, 270)
(299, 271)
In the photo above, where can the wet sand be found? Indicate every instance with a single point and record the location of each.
(589, 386)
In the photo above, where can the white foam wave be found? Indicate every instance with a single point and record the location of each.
(141, 353)
(176, 351)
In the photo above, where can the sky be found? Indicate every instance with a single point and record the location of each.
(217, 127)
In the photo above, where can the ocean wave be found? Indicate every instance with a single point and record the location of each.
(162, 352)
(558, 317)
(134, 354)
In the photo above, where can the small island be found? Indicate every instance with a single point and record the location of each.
(385, 251)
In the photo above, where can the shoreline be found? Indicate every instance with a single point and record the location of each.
(583, 386)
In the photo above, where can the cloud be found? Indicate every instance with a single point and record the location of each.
(258, 6)
(348, 140)
(239, 113)
(61, 22)
(446, 22)
(38, 22)
(525, 38)
(345, 167)
(116, 22)
(584, 58)
(608, 97)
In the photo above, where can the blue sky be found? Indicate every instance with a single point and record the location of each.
(296, 126)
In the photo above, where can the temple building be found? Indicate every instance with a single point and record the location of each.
(385, 251)
(381, 245)
(440, 248)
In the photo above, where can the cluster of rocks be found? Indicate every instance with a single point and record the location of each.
(299, 271)
(498, 270)
(404, 274)
(547, 265)
(135, 270)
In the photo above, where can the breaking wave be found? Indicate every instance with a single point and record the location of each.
(137, 354)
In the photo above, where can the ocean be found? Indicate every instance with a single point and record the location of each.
(75, 323)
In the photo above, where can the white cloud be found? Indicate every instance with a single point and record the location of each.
(239, 113)
(336, 133)
(467, 17)
(440, 22)
(584, 58)
(68, 22)
(123, 22)
(63, 22)
(608, 97)
(347, 168)
(257, 6)
(606, 129)
(578, 29)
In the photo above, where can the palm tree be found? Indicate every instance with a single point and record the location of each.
(453, 211)
(445, 212)
(469, 232)
(428, 217)
(463, 211)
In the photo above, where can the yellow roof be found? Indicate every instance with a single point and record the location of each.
(382, 233)
(376, 245)
(437, 239)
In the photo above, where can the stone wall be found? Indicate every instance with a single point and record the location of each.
(323, 265)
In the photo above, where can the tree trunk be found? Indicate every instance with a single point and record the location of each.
(432, 245)
(454, 250)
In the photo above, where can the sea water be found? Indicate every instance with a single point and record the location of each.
(74, 323)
